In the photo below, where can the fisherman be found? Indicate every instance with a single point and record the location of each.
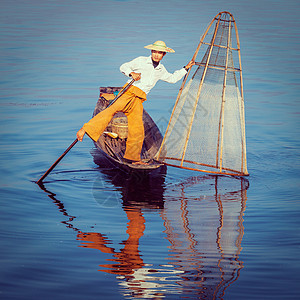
(146, 71)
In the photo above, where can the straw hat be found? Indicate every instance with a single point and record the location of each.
(159, 46)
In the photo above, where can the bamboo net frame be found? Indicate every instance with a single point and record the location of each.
(221, 43)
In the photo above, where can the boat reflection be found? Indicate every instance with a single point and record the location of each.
(203, 221)
(137, 189)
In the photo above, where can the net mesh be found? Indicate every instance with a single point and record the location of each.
(207, 129)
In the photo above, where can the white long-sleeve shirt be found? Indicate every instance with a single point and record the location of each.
(149, 74)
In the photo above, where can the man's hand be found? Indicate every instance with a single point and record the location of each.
(189, 65)
(135, 76)
(80, 134)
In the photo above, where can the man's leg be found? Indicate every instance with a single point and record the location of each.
(95, 127)
(136, 131)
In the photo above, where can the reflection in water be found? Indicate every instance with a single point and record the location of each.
(205, 233)
(137, 189)
(203, 221)
(127, 259)
(60, 206)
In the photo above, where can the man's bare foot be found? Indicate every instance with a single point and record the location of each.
(80, 134)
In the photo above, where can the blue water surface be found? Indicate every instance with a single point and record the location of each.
(94, 232)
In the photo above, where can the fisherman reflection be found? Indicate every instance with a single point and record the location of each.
(139, 192)
(128, 259)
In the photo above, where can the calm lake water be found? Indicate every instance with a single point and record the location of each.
(97, 233)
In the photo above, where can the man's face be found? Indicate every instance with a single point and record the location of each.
(157, 56)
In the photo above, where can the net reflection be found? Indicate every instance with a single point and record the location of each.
(205, 231)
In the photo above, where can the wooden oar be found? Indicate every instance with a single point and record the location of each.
(74, 143)
(121, 92)
(57, 161)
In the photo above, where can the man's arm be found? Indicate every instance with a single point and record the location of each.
(177, 75)
(129, 67)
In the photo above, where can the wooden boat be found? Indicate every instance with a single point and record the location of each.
(112, 143)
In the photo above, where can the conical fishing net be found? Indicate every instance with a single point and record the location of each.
(206, 131)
